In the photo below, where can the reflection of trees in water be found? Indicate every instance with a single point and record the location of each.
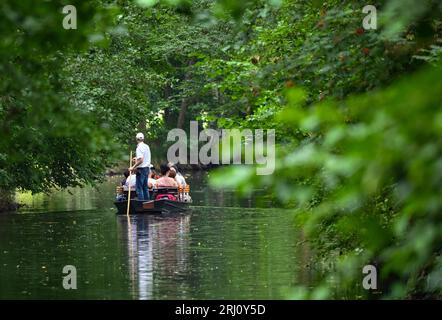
(71, 199)
(228, 198)
(157, 251)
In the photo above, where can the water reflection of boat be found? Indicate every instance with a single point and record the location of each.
(157, 250)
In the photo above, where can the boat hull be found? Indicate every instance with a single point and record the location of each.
(161, 206)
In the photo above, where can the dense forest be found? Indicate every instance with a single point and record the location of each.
(357, 112)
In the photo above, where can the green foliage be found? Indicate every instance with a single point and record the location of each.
(378, 161)
(367, 182)
(72, 99)
(320, 47)
(46, 141)
(146, 78)
(360, 151)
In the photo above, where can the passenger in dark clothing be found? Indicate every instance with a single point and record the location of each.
(126, 175)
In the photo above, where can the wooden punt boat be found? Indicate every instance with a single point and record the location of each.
(160, 206)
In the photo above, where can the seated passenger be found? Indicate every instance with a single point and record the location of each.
(126, 174)
(152, 182)
(171, 173)
(130, 180)
(153, 172)
(120, 194)
(165, 181)
(179, 178)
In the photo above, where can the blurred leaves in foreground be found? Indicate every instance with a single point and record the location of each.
(367, 183)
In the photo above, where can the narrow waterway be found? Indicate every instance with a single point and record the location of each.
(223, 248)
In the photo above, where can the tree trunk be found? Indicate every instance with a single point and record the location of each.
(142, 126)
(7, 202)
(185, 101)
(170, 117)
(183, 111)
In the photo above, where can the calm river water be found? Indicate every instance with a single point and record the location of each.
(224, 248)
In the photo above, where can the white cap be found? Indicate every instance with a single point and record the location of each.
(140, 136)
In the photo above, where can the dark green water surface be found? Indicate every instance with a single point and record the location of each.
(223, 248)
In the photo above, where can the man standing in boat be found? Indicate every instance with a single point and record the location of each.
(142, 164)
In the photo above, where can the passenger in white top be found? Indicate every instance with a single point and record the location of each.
(131, 180)
(142, 163)
(179, 178)
(152, 182)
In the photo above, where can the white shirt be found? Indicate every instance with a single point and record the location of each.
(143, 151)
(153, 182)
(180, 179)
(132, 180)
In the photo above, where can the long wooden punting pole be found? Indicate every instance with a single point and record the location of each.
(128, 194)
